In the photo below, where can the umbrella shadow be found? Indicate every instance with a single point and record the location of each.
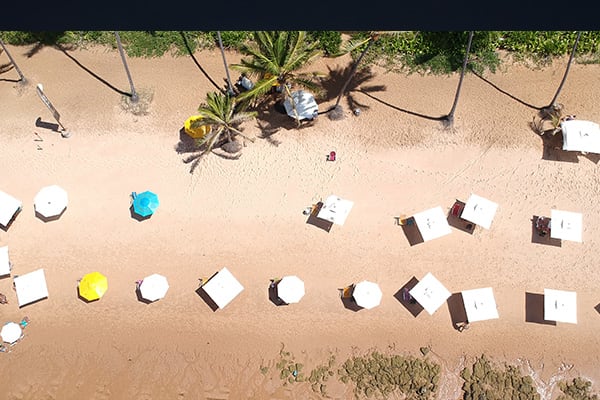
(411, 231)
(52, 218)
(137, 216)
(534, 309)
(455, 221)
(319, 222)
(207, 299)
(80, 297)
(542, 239)
(456, 308)
(141, 299)
(105, 82)
(12, 220)
(409, 302)
(553, 151)
(597, 308)
(273, 296)
(47, 125)
(348, 301)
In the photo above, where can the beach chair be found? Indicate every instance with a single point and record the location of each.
(457, 209)
(347, 291)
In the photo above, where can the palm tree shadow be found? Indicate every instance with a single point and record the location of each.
(416, 114)
(191, 53)
(336, 80)
(505, 92)
(44, 39)
(4, 68)
(63, 49)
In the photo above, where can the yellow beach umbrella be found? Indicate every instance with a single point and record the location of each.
(197, 132)
(93, 286)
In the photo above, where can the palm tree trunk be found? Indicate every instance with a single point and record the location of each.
(353, 72)
(552, 103)
(22, 80)
(134, 96)
(450, 117)
(229, 86)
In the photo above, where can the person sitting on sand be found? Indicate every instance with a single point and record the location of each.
(3, 299)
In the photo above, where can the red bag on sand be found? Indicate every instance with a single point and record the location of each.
(331, 156)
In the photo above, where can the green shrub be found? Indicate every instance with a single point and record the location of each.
(577, 389)
(329, 41)
(231, 39)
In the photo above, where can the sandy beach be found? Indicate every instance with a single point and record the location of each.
(246, 215)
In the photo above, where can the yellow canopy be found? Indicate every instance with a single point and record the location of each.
(93, 286)
(197, 132)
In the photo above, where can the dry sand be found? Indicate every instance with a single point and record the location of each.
(246, 214)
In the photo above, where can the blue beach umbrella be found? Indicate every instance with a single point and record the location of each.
(144, 204)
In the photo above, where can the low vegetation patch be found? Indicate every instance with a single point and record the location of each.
(577, 389)
(379, 375)
(483, 380)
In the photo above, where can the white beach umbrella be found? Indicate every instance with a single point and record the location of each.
(560, 306)
(430, 293)
(367, 294)
(580, 135)
(4, 261)
(480, 211)
(306, 106)
(432, 223)
(480, 304)
(154, 287)
(11, 332)
(9, 205)
(31, 287)
(335, 209)
(566, 225)
(50, 201)
(223, 287)
(290, 289)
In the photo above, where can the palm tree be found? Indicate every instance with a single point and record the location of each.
(222, 113)
(562, 82)
(349, 47)
(274, 58)
(449, 118)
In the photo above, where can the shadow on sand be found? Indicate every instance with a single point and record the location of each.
(12, 220)
(456, 308)
(204, 296)
(319, 222)
(546, 239)
(534, 309)
(137, 216)
(407, 300)
(49, 219)
(455, 221)
(411, 231)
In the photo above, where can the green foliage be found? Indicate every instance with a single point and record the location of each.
(577, 389)
(484, 381)
(156, 43)
(232, 39)
(378, 374)
(290, 371)
(329, 41)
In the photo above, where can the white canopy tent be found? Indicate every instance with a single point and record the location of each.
(580, 135)
(560, 306)
(335, 209)
(480, 211)
(4, 261)
(223, 287)
(306, 105)
(11, 332)
(154, 287)
(9, 205)
(367, 294)
(480, 304)
(290, 289)
(566, 225)
(31, 287)
(51, 201)
(430, 293)
(432, 223)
